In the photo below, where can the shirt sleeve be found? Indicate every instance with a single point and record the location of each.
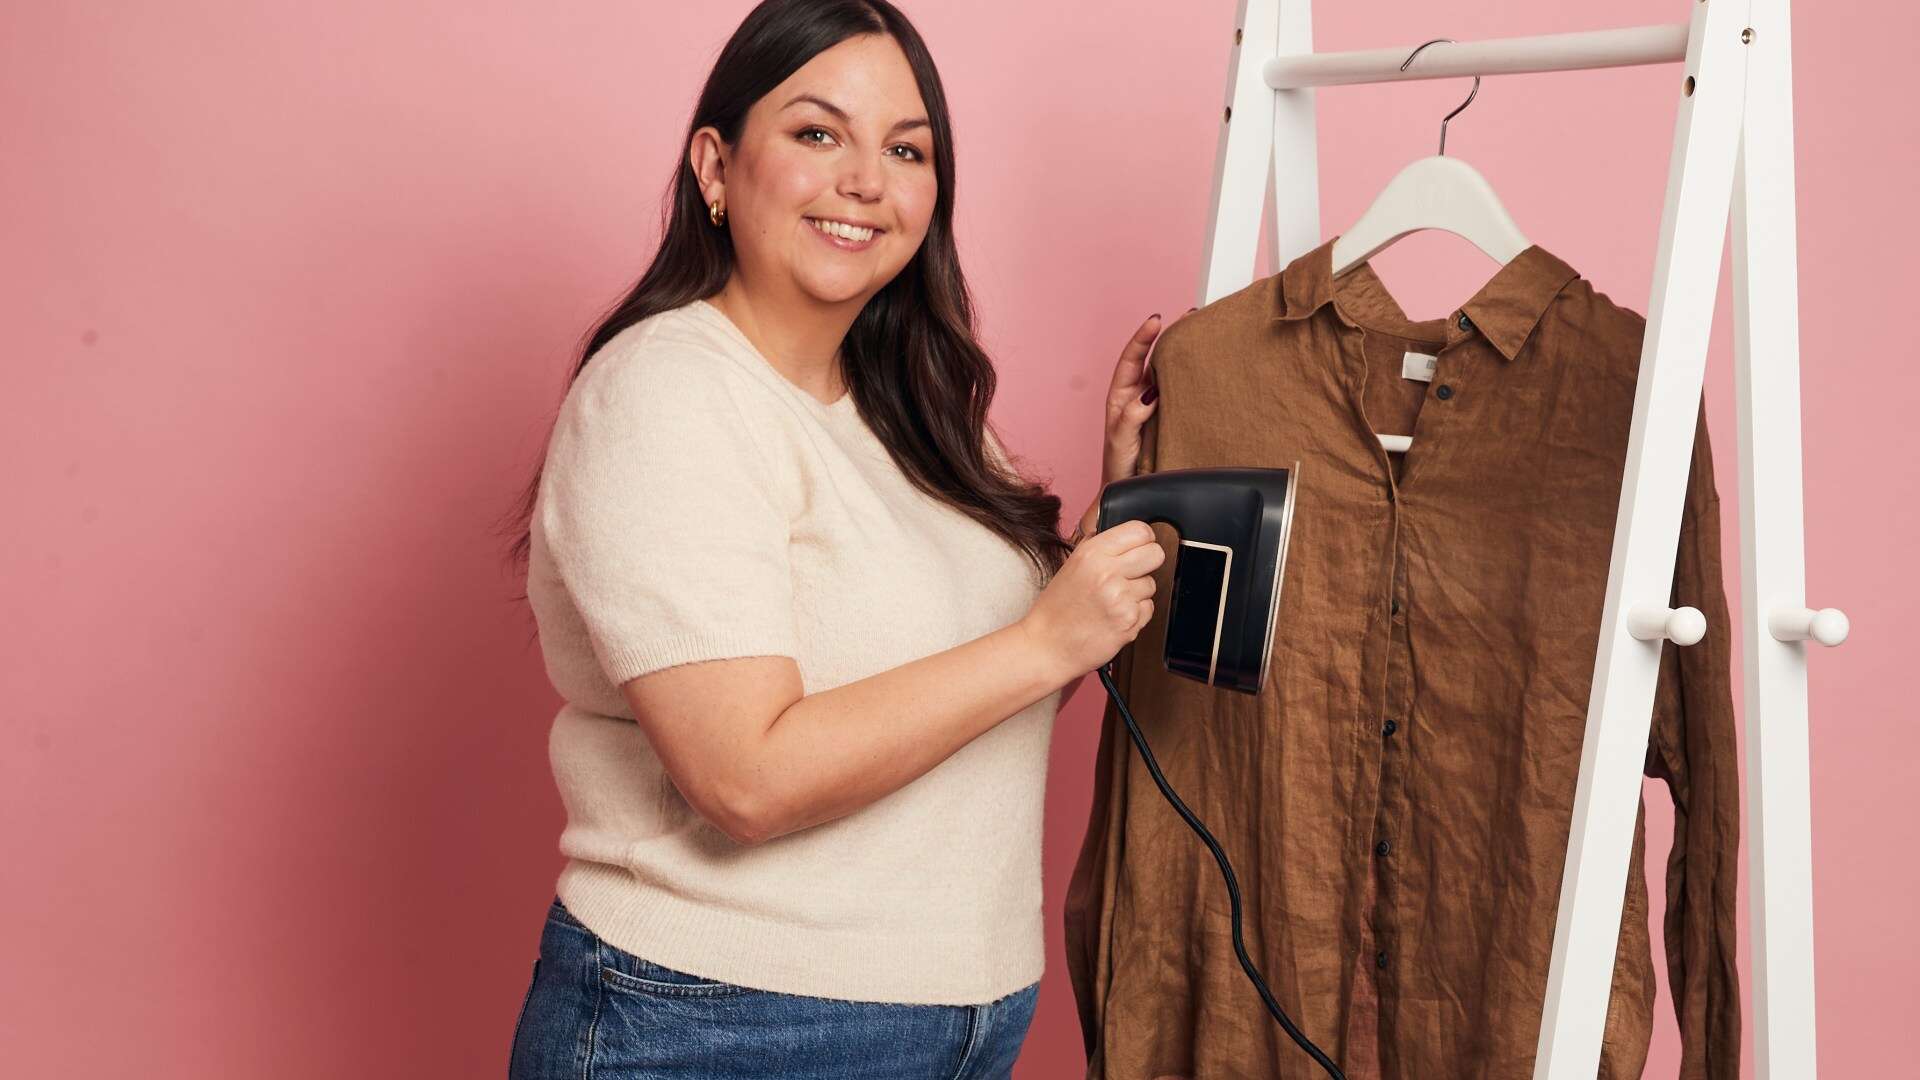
(1693, 750)
(661, 518)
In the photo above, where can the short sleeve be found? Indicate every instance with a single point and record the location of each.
(659, 515)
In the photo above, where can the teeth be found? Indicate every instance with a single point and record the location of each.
(844, 231)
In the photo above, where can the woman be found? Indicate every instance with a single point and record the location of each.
(811, 628)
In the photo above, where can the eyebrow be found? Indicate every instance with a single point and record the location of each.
(918, 122)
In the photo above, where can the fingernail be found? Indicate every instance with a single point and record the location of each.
(1153, 316)
(1152, 393)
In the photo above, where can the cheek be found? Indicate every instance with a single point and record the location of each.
(791, 179)
(915, 198)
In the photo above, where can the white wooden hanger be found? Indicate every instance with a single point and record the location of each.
(1435, 192)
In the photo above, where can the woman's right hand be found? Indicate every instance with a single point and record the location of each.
(1099, 601)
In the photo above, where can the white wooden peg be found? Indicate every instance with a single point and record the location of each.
(1682, 626)
(1828, 626)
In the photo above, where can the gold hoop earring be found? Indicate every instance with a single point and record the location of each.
(716, 213)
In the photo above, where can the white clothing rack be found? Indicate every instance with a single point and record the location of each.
(1732, 149)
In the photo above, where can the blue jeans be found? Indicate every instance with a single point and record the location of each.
(596, 1011)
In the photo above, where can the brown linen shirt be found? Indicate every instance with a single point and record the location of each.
(1396, 800)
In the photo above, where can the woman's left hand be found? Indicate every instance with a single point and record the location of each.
(1131, 399)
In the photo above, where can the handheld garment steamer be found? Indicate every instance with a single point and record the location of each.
(1233, 525)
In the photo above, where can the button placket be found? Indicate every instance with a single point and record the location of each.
(1397, 687)
(1443, 388)
(1460, 362)
(1462, 322)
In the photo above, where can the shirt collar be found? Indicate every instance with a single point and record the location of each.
(1504, 311)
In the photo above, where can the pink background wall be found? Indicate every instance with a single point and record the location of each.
(289, 292)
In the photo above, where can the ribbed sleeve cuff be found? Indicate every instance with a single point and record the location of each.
(622, 662)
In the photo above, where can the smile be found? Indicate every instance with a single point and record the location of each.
(856, 233)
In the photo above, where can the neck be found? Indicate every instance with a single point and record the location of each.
(798, 335)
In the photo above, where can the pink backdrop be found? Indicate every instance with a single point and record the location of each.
(288, 296)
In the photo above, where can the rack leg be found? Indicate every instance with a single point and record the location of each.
(1772, 557)
(1646, 531)
(1266, 153)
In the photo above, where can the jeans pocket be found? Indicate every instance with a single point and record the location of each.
(624, 972)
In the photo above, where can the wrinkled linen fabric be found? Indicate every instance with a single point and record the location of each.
(1396, 800)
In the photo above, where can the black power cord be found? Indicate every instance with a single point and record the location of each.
(1226, 870)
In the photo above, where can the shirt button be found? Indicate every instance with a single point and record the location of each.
(1380, 959)
(1382, 848)
(1443, 391)
(1390, 727)
(1465, 323)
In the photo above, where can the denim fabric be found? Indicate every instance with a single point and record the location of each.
(596, 1011)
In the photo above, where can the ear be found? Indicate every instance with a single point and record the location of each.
(708, 156)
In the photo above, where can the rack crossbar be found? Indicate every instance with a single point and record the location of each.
(1625, 47)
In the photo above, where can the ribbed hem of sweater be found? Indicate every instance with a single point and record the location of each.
(930, 966)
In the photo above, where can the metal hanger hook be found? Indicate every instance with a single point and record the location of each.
(1456, 112)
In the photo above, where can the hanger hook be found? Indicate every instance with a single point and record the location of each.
(1457, 111)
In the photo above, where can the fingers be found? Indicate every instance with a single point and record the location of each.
(1133, 547)
(1122, 537)
(1133, 360)
(1140, 406)
(1142, 560)
(1133, 393)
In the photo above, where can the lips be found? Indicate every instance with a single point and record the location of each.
(843, 230)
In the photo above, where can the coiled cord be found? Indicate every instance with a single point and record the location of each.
(1226, 870)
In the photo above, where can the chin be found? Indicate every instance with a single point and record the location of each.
(838, 290)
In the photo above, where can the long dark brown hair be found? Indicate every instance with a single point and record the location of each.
(918, 376)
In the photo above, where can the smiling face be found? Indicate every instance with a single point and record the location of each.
(831, 184)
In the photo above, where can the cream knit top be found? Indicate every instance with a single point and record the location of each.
(696, 504)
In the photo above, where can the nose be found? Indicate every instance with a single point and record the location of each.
(861, 177)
